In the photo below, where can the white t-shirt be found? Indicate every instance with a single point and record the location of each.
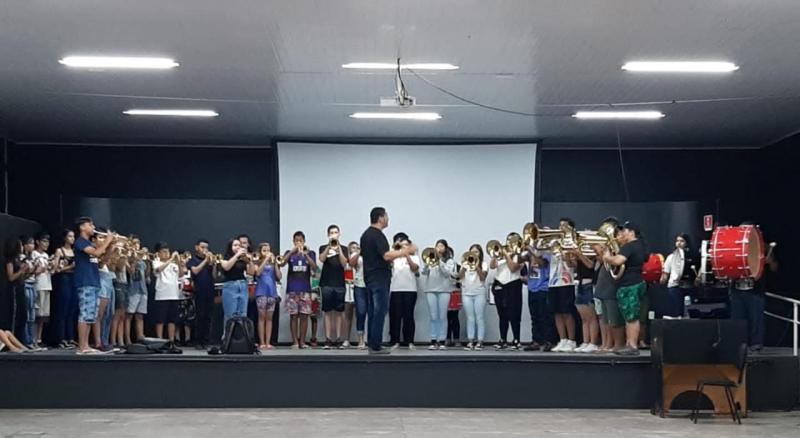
(43, 280)
(403, 280)
(167, 285)
(440, 277)
(561, 274)
(674, 267)
(358, 273)
(472, 284)
(504, 274)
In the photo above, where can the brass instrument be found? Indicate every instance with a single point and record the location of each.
(397, 246)
(104, 234)
(540, 238)
(280, 260)
(470, 260)
(333, 243)
(494, 248)
(430, 257)
(569, 239)
(514, 244)
(604, 236)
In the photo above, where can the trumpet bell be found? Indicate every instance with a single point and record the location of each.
(430, 257)
(470, 260)
(514, 244)
(494, 248)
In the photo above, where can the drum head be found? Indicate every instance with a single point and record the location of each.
(755, 256)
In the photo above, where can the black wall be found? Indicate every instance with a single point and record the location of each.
(150, 191)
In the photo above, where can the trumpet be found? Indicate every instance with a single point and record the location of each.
(494, 248)
(333, 243)
(430, 257)
(280, 260)
(105, 234)
(470, 260)
(397, 246)
(540, 238)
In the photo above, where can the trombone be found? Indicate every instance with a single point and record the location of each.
(494, 249)
(470, 260)
(430, 257)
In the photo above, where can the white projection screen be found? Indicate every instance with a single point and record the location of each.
(462, 193)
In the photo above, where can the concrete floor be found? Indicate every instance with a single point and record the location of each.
(331, 423)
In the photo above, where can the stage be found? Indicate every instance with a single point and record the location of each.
(286, 378)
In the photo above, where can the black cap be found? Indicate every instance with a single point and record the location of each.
(628, 225)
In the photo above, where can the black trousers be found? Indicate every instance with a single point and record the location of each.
(508, 301)
(543, 328)
(204, 305)
(453, 326)
(276, 322)
(401, 316)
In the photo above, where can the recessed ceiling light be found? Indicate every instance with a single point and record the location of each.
(632, 115)
(399, 116)
(680, 67)
(171, 112)
(113, 62)
(393, 66)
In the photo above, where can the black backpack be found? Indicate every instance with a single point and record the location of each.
(239, 336)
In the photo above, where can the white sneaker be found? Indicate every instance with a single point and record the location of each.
(411, 347)
(581, 348)
(346, 344)
(569, 347)
(590, 348)
(559, 346)
(395, 347)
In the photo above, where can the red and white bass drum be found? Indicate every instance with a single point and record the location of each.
(737, 252)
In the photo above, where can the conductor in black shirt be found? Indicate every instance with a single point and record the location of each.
(377, 256)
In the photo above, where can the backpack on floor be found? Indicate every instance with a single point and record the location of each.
(239, 337)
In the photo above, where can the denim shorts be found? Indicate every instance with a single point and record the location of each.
(120, 296)
(584, 295)
(88, 304)
(106, 288)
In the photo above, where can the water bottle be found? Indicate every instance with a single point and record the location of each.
(687, 301)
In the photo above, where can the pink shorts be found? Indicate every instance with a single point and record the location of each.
(265, 304)
(298, 302)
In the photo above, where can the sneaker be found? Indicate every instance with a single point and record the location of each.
(479, 346)
(533, 346)
(328, 344)
(434, 345)
(442, 347)
(395, 347)
(547, 347)
(295, 346)
(516, 345)
(627, 351)
(559, 346)
(569, 347)
(411, 347)
(580, 349)
(381, 351)
(345, 345)
(362, 346)
(502, 345)
(469, 347)
(305, 347)
(590, 348)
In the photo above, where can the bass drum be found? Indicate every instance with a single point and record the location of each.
(737, 252)
(652, 268)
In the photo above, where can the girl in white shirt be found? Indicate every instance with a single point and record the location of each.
(473, 296)
(403, 297)
(507, 291)
(359, 292)
(168, 292)
(439, 284)
(679, 274)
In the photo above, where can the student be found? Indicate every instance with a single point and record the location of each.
(301, 263)
(66, 314)
(606, 291)
(349, 304)
(333, 258)
(16, 273)
(453, 323)
(542, 325)
(359, 292)
(10, 342)
(403, 296)
(507, 291)
(266, 275)
(631, 287)
(584, 302)
(44, 284)
(122, 267)
(438, 285)
(30, 298)
(140, 273)
(678, 275)
(168, 290)
(105, 313)
(234, 287)
(201, 266)
(561, 294)
(87, 279)
(473, 289)
(315, 305)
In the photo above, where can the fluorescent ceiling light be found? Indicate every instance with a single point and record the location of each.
(633, 115)
(680, 67)
(400, 116)
(171, 112)
(118, 62)
(392, 66)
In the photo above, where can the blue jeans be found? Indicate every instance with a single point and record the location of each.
(749, 306)
(234, 301)
(30, 313)
(377, 308)
(474, 308)
(437, 306)
(362, 301)
(107, 285)
(67, 308)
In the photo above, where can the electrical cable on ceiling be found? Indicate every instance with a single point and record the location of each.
(622, 166)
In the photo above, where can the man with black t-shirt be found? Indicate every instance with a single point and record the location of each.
(631, 288)
(377, 256)
(333, 257)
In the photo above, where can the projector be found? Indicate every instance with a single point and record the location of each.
(398, 101)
